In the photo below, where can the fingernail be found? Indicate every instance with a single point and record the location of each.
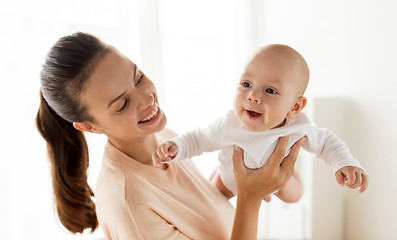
(235, 148)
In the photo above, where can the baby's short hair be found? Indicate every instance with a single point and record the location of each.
(291, 53)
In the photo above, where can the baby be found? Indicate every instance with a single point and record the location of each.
(268, 104)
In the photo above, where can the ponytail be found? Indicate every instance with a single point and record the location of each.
(68, 153)
(65, 71)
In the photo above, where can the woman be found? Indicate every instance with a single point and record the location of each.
(88, 86)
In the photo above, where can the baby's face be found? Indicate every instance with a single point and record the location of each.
(268, 90)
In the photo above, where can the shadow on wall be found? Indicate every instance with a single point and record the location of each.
(368, 129)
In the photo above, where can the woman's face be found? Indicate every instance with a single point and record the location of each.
(122, 100)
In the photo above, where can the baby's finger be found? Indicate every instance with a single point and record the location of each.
(156, 160)
(351, 178)
(164, 149)
(358, 181)
(159, 153)
(173, 150)
(364, 183)
(340, 178)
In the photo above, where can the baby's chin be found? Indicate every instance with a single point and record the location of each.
(255, 128)
(262, 127)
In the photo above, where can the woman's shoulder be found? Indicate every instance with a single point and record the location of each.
(117, 190)
(110, 183)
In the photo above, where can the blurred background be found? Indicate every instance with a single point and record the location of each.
(194, 51)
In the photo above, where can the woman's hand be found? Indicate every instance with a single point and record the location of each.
(254, 185)
(259, 183)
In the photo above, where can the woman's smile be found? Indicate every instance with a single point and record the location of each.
(152, 115)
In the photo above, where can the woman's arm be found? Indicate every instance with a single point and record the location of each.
(254, 185)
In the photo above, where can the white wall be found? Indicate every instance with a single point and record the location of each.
(349, 45)
(29, 28)
(351, 50)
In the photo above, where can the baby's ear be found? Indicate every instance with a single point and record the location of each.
(297, 108)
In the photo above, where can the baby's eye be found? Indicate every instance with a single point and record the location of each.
(246, 84)
(270, 91)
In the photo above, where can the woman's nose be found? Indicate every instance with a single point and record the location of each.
(147, 99)
(252, 97)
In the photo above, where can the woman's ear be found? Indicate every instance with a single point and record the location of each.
(87, 127)
(297, 108)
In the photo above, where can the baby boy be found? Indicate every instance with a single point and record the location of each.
(267, 105)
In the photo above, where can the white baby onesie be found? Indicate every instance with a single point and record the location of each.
(258, 146)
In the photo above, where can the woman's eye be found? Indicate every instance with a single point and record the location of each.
(246, 84)
(140, 79)
(124, 105)
(271, 91)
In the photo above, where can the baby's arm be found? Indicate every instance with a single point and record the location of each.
(352, 177)
(336, 154)
(190, 144)
(164, 153)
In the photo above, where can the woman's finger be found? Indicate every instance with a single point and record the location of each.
(286, 178)
(278, 155)
(238, 159)
(289, 161)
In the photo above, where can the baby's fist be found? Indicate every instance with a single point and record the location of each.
(352, 177)
(164, 153)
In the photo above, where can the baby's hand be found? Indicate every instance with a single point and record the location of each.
(164, 153)
(352, 177)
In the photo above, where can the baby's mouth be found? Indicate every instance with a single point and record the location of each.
(151, 115)
(253, 114)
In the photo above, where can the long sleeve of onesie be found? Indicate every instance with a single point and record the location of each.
(258, 146)
(200, 140)
(327, 146)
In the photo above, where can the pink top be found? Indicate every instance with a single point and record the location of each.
(137, 201)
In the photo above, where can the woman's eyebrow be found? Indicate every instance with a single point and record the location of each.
(121, 95)
(116, 99)
(135, 70)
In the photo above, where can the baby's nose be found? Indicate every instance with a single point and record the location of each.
(253, 98)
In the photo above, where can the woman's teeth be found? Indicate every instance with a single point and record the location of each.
(151, 115)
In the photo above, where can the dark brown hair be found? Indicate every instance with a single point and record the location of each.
(67, 66)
